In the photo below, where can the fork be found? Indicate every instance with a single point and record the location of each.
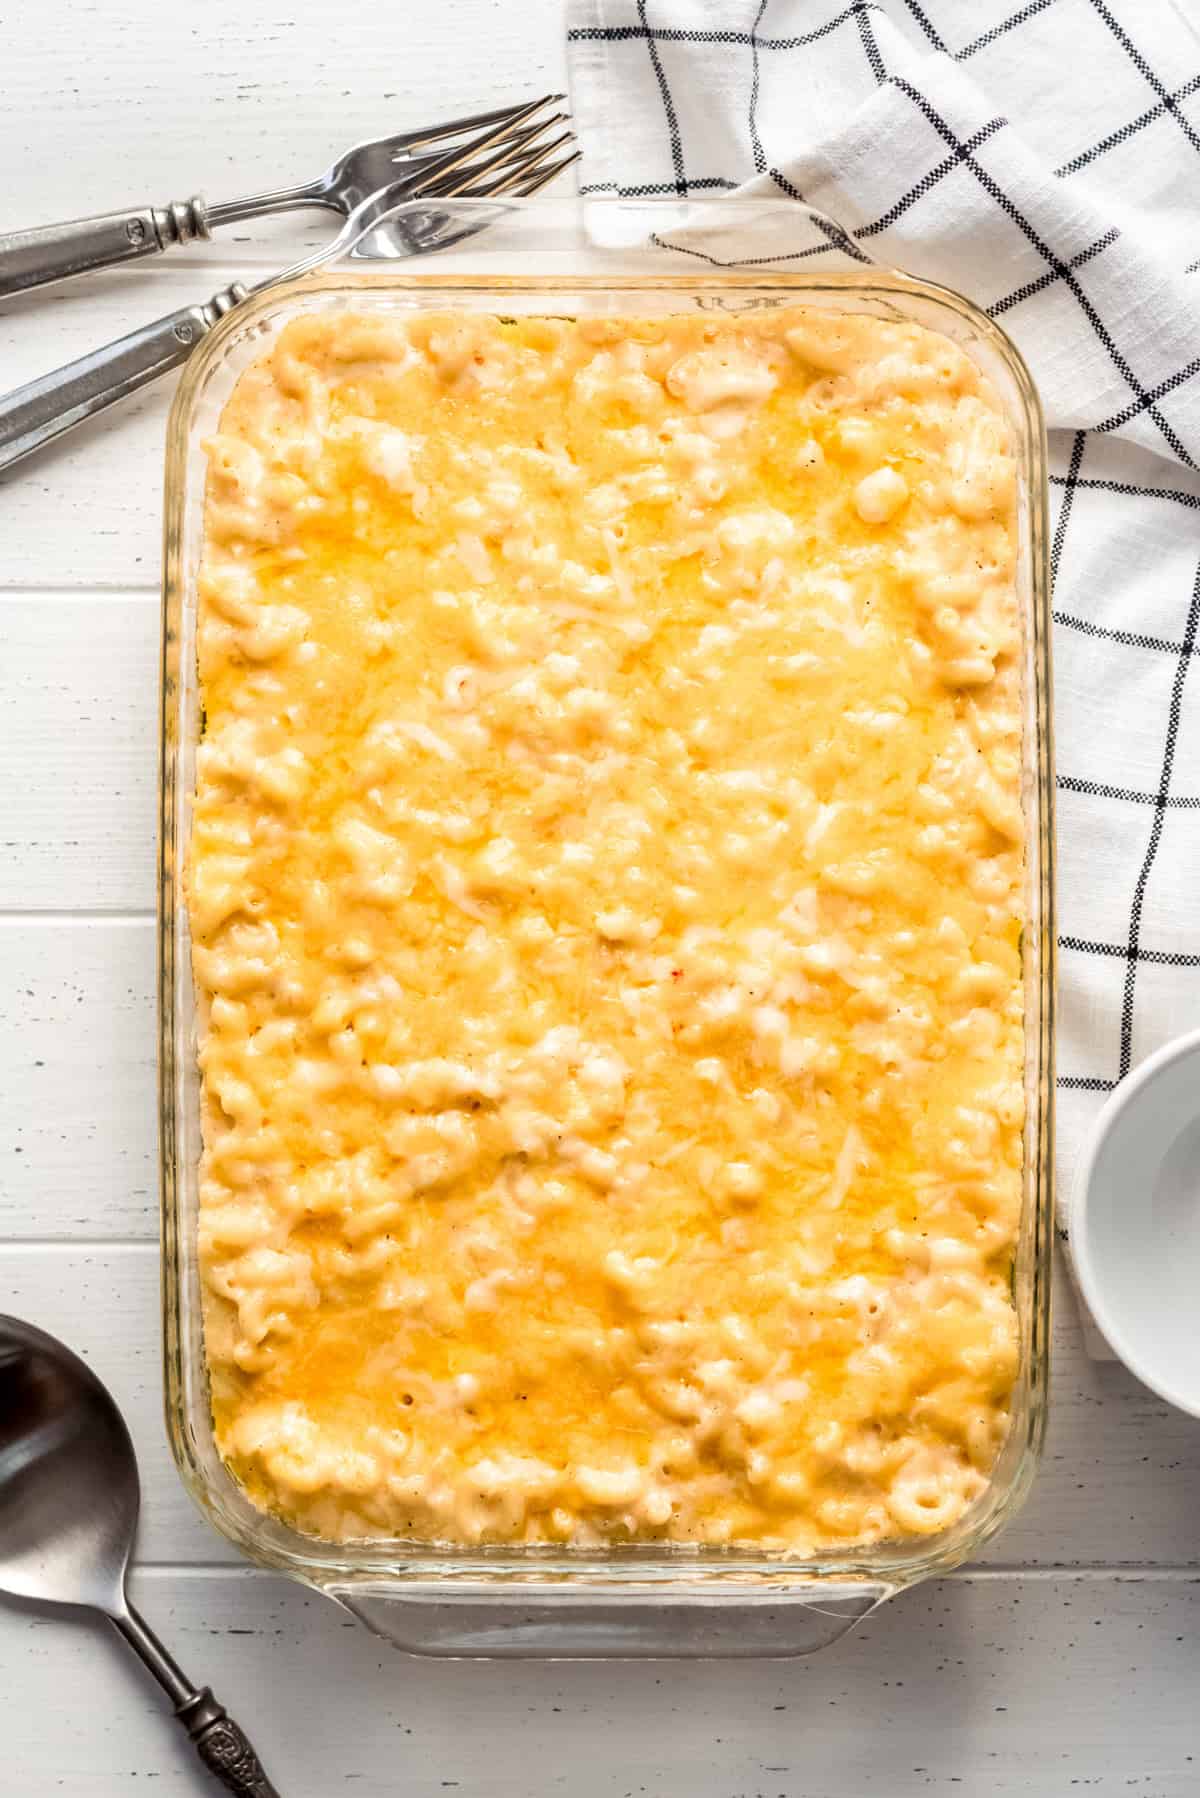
(515, 164)
(49, 253)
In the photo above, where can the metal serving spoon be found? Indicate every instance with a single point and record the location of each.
(69, 1501)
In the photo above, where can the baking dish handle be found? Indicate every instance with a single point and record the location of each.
(502, 1621)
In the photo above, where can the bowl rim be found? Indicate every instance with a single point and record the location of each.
(1126, 1095)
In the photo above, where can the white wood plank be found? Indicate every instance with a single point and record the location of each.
(988, 1687)
(1118, 1483)
(77, 1114)
(238, 98)
(78, 720)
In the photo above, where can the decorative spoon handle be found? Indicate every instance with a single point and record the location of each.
(222, 1744)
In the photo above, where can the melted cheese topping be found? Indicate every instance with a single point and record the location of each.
(605, 888)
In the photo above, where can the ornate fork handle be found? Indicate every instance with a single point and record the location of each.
(43, 409)
(53, 252)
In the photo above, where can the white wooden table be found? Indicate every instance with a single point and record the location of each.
(1069, 1657)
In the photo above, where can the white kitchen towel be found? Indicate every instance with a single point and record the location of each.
(1044, 160)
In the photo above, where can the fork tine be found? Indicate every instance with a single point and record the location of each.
(526, 178)
(527, 156)
(516, 138)
(436, 134)
(518, 146)
(536, 154)
(534, 182)
(520, 159)
(521, 181)
(454, 158)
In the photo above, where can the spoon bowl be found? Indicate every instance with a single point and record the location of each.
(69, 1492)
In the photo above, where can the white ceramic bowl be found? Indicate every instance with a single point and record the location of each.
(1135, 1222)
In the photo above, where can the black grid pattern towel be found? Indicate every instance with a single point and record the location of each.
(1045, 160)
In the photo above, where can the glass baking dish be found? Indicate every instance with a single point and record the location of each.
(600, 257)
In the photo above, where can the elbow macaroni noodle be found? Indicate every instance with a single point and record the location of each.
(606, 892)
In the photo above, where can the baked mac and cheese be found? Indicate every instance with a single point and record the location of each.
(605, 889)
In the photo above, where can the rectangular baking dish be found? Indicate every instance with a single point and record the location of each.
(607, 257)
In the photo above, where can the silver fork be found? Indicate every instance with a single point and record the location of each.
(49, 253)
(489, 167)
